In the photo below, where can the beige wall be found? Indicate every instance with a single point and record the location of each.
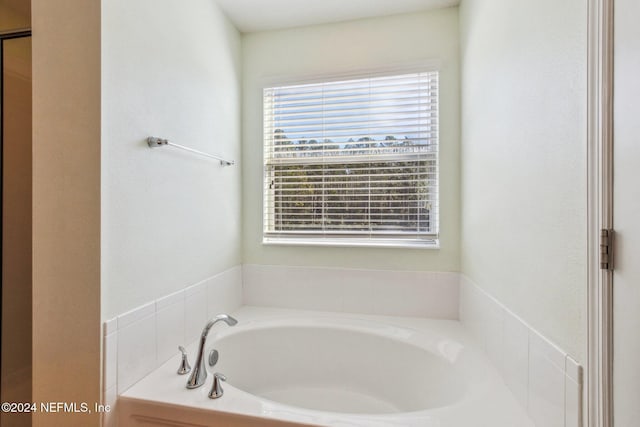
(275, 57)
(524, 160)
(170, 218)
(16, 237)
(66, 207)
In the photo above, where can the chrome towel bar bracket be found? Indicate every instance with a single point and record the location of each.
(155, 142)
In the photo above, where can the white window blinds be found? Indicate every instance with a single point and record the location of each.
(353, 160)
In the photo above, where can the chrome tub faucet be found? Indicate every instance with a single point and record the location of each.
(199, 373)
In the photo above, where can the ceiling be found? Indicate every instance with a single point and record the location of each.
(261, 15)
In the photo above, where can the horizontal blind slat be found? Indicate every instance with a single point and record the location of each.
(389, 103)
(321, 124)
(330, 88)
(339, 98)
(346, 113)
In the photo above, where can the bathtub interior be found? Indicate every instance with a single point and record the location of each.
(339, 369)
(331, 369)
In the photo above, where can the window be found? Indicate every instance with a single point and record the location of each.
(352, 162)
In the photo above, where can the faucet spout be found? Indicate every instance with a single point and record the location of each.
(199, 373)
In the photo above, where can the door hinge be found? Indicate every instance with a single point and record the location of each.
(606, 249)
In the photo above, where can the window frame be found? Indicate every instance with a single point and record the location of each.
(347, 239)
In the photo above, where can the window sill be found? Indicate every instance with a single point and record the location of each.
(353, 243)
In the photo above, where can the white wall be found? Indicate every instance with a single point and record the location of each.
(626, 321)
(170, 218)
(524, 160)
(348, 47)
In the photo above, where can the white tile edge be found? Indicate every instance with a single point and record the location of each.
(197, 287)
(110, 326)
(112, 381)
(573, 369)
(110, 398)
(541, 346)
(169, 300)
(136, 314)
(573, 413)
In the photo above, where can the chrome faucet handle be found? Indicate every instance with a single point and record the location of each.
(216, 390)
(185, 368)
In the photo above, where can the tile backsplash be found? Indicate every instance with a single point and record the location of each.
(139, 341)
(545, 380)
(380, 292)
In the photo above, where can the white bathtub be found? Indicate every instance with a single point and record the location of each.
(285, 366)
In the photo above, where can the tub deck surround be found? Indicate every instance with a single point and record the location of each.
(544, 380)
(139, 341)
(476, 395)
